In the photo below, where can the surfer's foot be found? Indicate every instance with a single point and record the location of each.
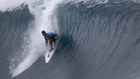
(48, 55)
(50, 49)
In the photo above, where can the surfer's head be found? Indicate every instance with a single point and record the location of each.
(43, 33)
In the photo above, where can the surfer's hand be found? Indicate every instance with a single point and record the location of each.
(50, 49)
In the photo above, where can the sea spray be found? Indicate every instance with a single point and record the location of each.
(45, 19)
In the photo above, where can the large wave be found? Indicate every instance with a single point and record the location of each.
(98, 39)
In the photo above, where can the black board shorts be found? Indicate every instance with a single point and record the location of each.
(54, 38)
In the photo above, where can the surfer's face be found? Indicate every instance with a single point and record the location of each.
(43, 34)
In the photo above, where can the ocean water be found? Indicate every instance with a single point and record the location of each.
(99, 39)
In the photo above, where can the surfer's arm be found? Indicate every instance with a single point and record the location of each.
(50, 42)
(47, 39)
(46, 42)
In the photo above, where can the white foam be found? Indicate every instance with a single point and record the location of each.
(12, 4)
(44, 13)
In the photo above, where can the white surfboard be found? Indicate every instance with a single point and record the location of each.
(47, 58)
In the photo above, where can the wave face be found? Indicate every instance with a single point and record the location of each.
(13, 27)
(100, 41)
(97, 41)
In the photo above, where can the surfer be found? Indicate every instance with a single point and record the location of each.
(50, 37)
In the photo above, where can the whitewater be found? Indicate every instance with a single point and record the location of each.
(99, 39)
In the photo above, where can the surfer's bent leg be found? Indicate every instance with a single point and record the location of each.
(55, 38)
(50, 41)
(54, 44)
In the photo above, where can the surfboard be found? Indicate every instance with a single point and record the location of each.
(47, 58)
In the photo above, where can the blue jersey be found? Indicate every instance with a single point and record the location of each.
(49, 34)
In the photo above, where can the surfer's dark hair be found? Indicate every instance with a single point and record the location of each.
(43, 32)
